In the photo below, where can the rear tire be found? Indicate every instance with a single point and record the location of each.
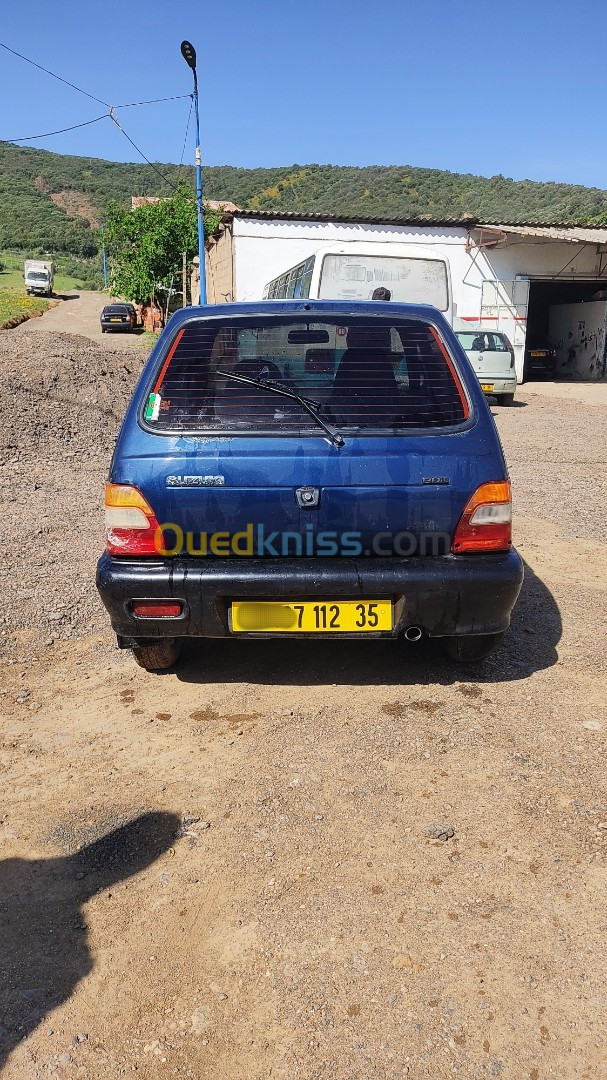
(465, 648)
(160, 656)
(505, 399)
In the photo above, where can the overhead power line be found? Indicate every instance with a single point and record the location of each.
(187, 128)
(54, 76)
(153, 101)
(111, 113)
(60, 131)
(141, 153)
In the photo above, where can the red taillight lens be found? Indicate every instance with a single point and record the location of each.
(131, 527)
(486, 523)
(157, 609)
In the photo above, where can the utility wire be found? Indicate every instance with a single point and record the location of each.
(153, 101)
(47, 134)
(52, 73)
(141, 153)
(187, 128)
(111, 112)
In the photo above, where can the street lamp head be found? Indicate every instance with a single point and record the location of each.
(189, 54)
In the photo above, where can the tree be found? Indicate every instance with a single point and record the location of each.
(146, 245)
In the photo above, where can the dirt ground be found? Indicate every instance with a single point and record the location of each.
(227, 872)
(78, 313)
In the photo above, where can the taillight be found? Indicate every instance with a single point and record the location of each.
(157, 609)
(486, 523)
(131, 527)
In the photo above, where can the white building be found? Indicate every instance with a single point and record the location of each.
(515, 278)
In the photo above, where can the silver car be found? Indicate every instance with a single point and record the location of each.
(492, 358)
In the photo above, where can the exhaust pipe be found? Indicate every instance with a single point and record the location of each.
(413, 633)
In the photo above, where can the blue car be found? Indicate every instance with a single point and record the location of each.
(306, 468)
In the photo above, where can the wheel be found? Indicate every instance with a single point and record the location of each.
(159, 656)
(468, 647)
(505, 399)
(103, 329)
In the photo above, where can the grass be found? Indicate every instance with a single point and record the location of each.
(13, 297)
(148, 339)
(13, 303)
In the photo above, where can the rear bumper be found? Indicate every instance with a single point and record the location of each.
(446, 595)
(500, 384)
(541, 365)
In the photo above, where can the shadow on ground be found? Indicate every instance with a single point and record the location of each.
(497, 409)
(529, 646)
(43, 939)
(66, 296)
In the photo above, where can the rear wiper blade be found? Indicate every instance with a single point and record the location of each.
(308, 404)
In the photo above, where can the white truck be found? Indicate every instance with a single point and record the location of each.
(39, 277)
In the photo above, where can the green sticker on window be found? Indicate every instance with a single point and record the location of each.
(153, 407)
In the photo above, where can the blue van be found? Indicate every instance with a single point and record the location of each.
(308, 468)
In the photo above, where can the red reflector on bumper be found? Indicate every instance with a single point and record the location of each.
(157, 609)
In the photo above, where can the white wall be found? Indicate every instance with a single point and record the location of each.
(258, 261)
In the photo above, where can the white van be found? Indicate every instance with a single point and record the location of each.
(411, 273)
(492, 358)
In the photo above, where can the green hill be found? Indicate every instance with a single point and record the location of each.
(53, 202)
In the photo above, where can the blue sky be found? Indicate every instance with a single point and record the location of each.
(466, 85)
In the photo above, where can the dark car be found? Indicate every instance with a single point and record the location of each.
(261, 489)
(540, 358)
(118, 317)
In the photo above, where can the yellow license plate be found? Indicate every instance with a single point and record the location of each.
(487, 387)
(538, 353)
(311, 617)
(115, 320)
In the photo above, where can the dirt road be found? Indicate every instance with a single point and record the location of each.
(78, 313)
(226, 872)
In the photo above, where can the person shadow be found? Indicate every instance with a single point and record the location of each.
(44, 951)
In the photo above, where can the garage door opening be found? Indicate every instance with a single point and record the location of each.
(566, 329)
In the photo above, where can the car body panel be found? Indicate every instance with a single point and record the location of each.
(416, 482)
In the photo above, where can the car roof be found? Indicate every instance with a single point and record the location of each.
(477, 330)
(381, 308)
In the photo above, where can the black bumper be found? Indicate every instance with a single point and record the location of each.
(453, 594)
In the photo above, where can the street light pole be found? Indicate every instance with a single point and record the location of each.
(189, 54)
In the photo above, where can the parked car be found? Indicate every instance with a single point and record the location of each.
(492, 358)
(118, 317)
(540, 358)
(258, 489)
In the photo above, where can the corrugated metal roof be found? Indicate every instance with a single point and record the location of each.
(560, 231)
(576, 234)
(353, 219)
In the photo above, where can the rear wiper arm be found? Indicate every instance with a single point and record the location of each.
(308, 404)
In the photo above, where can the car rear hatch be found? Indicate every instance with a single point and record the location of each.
(272, 483)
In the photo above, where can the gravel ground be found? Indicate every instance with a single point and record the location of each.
(346, 861)
(63, 401)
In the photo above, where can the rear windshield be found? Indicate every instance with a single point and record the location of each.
(483, 342)
(117, 309)
(374, 374)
